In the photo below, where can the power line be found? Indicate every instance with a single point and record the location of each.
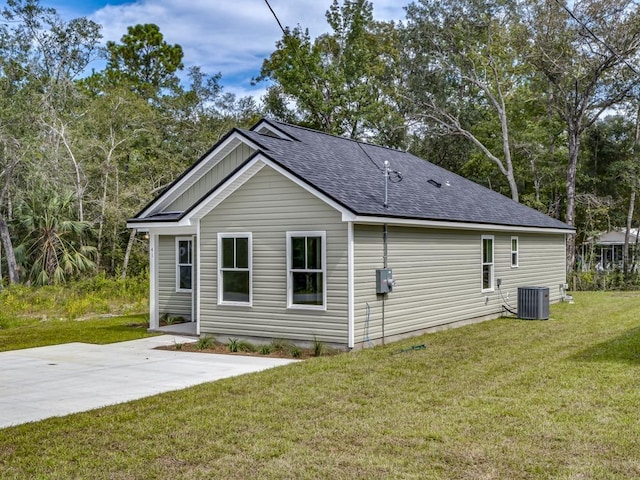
(596, 38)
(286, 36)
(369, 157)
(276, 17)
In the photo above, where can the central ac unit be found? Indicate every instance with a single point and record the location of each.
(533, 303)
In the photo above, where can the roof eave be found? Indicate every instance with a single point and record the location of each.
(457, 225)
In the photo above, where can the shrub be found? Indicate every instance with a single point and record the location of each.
(318, 348)
(246, 347)
(204, 342)
(233, 345)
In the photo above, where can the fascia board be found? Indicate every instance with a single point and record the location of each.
(224, 190)
(198, 170)
(273, 129)
(443, 224)
(163, 228)
(242, 176)
(347, 215)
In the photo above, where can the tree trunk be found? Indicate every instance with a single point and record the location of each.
(574, 148)
(625, 250)
(103, 208)
(632, 199)
(12, 266)
(127, 253)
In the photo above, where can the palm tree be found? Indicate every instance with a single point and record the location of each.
(51, 248)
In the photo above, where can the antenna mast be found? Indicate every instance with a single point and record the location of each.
(385, 172)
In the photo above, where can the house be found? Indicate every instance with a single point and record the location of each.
(284, 232)
(604, 252)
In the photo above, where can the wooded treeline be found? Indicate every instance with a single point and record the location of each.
(537, 100)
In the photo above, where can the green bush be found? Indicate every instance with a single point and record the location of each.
(609, 280)
(204, 342)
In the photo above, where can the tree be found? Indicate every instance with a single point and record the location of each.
(583, 53)
(461, 70)
(52, 248)
(145, 61)
(342, 82)
(39, 56)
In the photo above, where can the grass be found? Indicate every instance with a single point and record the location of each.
(505, 399)
(38, 333)
(86, 298)
(89, 311)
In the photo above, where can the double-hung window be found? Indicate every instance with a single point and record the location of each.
(487, 263)
(234, 272)
(306, 270)
(184, 264)
(515, 256)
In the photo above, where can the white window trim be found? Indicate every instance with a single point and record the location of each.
(482, 264)
(250, 269)
(323, 236)
(516, 251)
(178, 264)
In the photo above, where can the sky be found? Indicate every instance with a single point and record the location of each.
(231, 37)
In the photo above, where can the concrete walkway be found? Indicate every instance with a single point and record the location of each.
(37, 383)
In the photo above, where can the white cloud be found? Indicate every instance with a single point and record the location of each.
(231, 37)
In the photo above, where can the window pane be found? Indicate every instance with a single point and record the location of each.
(514, 244)
(227, 253)
(298, 253)
(185, 277)
(307, 288)
(486, 276)
(242, 252)
(184, 252)
(514, 258)
(487, 250)
(314, 253)
(235, 286)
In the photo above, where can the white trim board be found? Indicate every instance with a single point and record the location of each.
(445, 224)
(214, 157)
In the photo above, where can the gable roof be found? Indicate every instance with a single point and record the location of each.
(613, 237)
(350, 173)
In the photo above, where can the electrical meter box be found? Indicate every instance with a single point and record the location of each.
(384, 280)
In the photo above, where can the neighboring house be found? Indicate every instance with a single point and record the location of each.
(604, 252)
(278, 232)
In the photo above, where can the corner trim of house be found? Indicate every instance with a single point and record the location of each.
(154, 318)
(197, 279)
(351, 284)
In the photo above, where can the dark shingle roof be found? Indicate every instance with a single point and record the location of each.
(350, 173)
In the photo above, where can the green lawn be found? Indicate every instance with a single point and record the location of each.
(505, 399)
(37, 333)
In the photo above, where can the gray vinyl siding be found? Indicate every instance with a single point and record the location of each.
(438, 275)
(268, 206)
(212, 178)
(169, 301)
